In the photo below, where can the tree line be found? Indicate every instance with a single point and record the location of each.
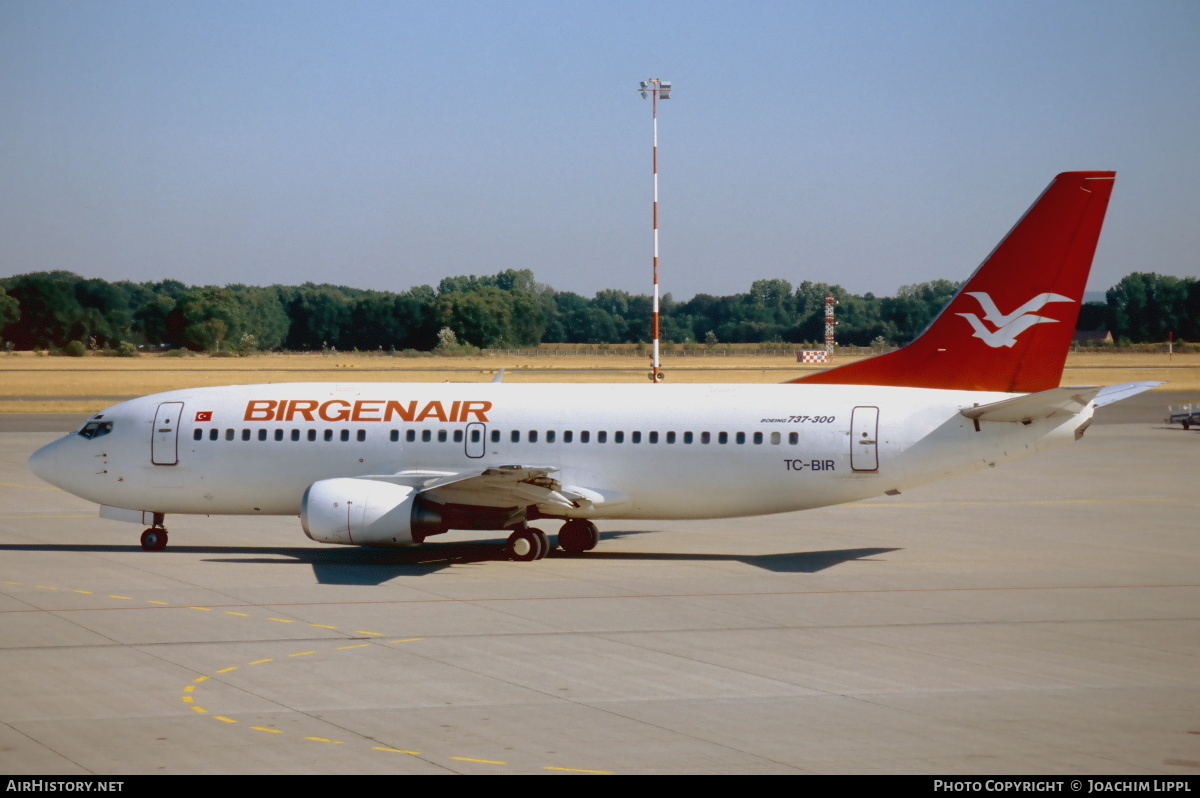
(48, 310)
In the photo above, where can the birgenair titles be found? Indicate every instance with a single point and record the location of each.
(394, 464)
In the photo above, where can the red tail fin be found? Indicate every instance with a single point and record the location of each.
(1010, 326)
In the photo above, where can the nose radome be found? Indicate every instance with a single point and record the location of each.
(44, 462)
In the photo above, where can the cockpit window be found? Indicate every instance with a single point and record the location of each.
(94, 429)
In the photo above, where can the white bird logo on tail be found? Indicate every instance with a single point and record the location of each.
(1008, 326)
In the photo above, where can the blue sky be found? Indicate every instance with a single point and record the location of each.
(386, 145)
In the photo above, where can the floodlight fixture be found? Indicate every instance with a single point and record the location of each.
(658, 89)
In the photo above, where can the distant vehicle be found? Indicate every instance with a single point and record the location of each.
(1185, 414)
(391, 465)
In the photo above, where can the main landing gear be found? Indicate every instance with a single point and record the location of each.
(578, 535)
(527, 544)
(154, 539)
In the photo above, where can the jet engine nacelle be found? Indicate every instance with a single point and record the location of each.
(363, 512)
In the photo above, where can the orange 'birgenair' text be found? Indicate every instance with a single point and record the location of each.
(364, 410)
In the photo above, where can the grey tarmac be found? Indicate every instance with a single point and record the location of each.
(1042, 617)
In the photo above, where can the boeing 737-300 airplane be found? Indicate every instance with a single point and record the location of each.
(393, 464)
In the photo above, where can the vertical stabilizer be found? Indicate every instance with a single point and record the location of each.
(1010, 326)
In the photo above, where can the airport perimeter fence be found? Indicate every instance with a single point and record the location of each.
(789, 352)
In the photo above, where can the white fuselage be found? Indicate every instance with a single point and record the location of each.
(652, 451)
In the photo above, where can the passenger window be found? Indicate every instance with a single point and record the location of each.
(458, 436)
(426, 436)
(585, 436)
(362, 435)
(312, 434)
(213, 433)
(722, 437)
(741, 438)
(635, 437)
(197, 435)
(345, 436)
(262, 434)
(515, 436)
(410, 435)
(793, 438)
(758, 437)
(328, 435)
(687, 437)
(229, 434)
(441, 436)
(532, 436)
(670, 437)
(618, 437)
(601, 437)
(394, 436)
(774, 438)
(495, 436)
(568, 436)
(475, 436)
(653, 437)
(295, 434)
(278, 434)
(549, 436)
(245, 434)
(705, 437)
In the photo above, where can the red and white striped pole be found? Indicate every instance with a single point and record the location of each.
(655, 87)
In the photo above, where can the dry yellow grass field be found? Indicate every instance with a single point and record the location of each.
(33, 384)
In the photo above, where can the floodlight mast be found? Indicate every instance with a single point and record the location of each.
(656, 88)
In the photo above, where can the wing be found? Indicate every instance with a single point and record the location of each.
(505, 486)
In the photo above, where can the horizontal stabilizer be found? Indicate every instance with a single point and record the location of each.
(1115, 393)
(1034, 406)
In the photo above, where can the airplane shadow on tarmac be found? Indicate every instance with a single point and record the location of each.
(373, 566)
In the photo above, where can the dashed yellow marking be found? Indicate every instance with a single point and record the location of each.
(189, 699)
